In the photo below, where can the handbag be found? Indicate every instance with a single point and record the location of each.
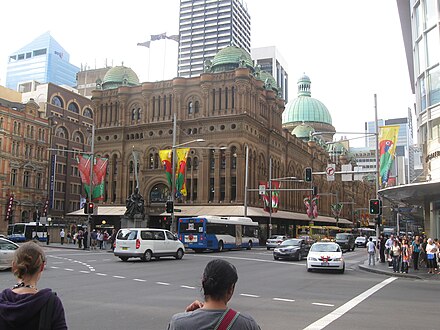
(430, 256)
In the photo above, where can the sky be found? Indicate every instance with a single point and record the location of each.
(350, 49)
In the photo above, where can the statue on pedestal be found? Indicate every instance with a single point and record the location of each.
(135, 204)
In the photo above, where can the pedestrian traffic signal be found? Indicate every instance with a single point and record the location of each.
(91, 205)
(86, 208)
(170, 207)
(375, 206)
(315, 190)
(308, 174)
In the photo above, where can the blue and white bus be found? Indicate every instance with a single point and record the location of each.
(218, 233)
(21, 232)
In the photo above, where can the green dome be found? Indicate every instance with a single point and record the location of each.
(305, 108)
(230, 58)
(303, 131)
(119, 76)
(268, 80)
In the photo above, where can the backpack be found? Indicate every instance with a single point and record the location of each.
(46, 313)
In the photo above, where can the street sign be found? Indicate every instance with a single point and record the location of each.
(330, 172)
(346, 168)
(262, 189)
(358, 177)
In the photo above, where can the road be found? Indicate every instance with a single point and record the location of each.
(101, 292)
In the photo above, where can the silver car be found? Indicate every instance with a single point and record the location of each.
(274, 241)
(7, 250)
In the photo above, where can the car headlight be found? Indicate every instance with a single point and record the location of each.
(276, 250)
(338, 259)
(312, 259)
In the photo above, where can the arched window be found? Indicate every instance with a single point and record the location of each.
(131, 167)
(151, 161)
(1, 122)
(26, 179)
(133, 114)
(88, 113)
(78, 137)
(190, 107)
(233, 158)
(159, 193)
(222, 159)
(212, 160)
(57, 101)
(196, 107)
(196, 163)
(13, 177)
(156, 160)
(73, 107)
(188, 164)
(61, 132)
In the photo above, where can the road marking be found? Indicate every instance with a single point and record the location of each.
(54, 267)
(163, 283)
(139, 280)
(255, 259)
(338, 312)
(249, 295)
(117, 276)
(322, 304)
(91, 260)
(101, 274)
(283, 299)
(84, 271)
(187, 287)
(69, 269)
(57, 262)
(106, 259)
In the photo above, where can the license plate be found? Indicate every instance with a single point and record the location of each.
(324, 263)
(124, 248)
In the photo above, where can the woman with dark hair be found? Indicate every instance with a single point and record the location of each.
(24, 306)
(218, 282)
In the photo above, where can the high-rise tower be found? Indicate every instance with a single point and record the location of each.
(205, 27)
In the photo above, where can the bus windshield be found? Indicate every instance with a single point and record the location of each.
(191, 227)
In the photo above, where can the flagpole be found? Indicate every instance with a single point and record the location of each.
(149, 60)
(164, 60)
(377, 161)
(89, 215)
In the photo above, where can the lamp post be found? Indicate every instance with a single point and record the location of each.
(92, 155)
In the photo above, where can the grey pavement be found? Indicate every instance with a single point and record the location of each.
(383, 268)
(71, 247)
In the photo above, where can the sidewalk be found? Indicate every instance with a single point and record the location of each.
(382, 268)
(72, 247)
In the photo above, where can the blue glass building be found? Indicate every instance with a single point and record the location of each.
(43, 60)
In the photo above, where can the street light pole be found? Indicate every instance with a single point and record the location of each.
(92, 155)
(173, 173)
(377, 161)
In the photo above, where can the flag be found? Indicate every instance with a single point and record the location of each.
(99, 172)
(175, 37)
(144, 44)
(275, 195)
(387, 151)
(182, 154)
(160, 36)
(311, 204)
(265, 196)
(166, 157)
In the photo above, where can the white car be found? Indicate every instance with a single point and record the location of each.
(325, 255)
(7, 250)
(274, 241)
(360, 241)
(147, 243)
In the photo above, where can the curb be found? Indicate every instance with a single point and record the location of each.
(384, 272)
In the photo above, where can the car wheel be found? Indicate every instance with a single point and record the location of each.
(309, 269)
(123, 258)
(276, 258)
(147, 256)
(299, 256)
(249, 246)
(220, 246)
(179, 254)
(268, 248)
(341, 271)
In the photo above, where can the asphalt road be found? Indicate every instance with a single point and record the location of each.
(101, 292)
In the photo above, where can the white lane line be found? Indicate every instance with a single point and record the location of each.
(338, 312)
(249, 295)
(187, 287)
(139, 280)
(283, 299)
(57, 262)
(255, 259)
(322, 304)
(69, 269)
(91, 260)
(101, 274)
(117, 276)
(84, 271)
(163, 283)
(54, 267)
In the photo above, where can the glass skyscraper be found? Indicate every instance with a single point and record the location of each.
(42, 60)
(207, 26)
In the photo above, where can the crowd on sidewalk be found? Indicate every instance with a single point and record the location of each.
(99, 239)
(403, 253)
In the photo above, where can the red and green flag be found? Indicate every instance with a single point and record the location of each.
(166, 158)
(99, 172)
(182, 155)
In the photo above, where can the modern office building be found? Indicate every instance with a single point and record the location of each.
(87, 79)
(420, 29)
(270, 60)
(207, 26)
(43, 60)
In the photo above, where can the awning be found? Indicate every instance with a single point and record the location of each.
(413, 194)
(102, 210)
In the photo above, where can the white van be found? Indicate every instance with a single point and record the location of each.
(146, 243)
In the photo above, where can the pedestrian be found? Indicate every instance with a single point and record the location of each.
(23, 306)
(85, 239)
(93, 236)
(388, 246)
(218, 282)
(431, 250)
(113, 239)
(405, 253)
(100, 238)
(62, 234)
(80, 238)
(371, 250)
(395, 255)
(75, 237)
(105, 240)
(416, 252)
(382, 242)
(423, 256)
(69, 237)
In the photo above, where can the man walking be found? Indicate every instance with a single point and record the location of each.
(371, 249)
(62, 234)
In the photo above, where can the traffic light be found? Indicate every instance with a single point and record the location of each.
(86, 208)
(375, 206)
(315, 190)
(170, 207)
(91, 205)
(308, 174)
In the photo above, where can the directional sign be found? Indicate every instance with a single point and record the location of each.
(346, 168)
(261, 189)
(330, 172)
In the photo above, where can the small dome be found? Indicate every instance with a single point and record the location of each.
(230, 58)
(305, 108)
(303, 131)
(268, 80)
(119, 76)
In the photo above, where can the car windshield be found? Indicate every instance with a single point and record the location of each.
(126, 234)
(341, 236)
(290, 242)
(325, 248)
(276, 237)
